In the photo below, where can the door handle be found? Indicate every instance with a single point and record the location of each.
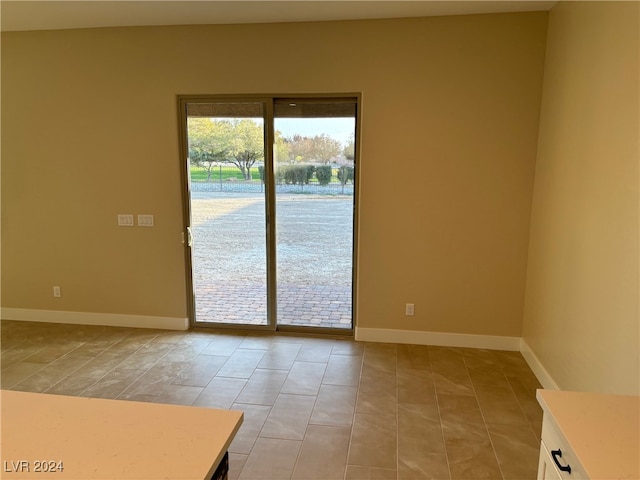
(558, 454)
(189, 237)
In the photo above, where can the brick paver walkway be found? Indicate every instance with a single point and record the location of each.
(315, 306)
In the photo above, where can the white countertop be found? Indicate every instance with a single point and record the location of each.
(110, 439)
(603, 430)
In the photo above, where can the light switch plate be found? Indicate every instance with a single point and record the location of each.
(125, 220)
(145, 220)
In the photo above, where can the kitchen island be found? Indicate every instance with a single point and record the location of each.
(61, 437)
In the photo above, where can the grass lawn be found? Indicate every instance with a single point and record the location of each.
(199, 174)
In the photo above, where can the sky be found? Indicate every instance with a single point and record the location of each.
(337, 128)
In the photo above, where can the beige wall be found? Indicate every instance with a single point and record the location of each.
(449, 132)
(581, 316)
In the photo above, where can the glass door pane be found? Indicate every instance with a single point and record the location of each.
(314, 205)
(226, 153)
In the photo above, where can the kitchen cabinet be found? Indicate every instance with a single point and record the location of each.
(589, 436)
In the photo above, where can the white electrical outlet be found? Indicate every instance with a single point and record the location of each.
(57, 292)
(408, 309)
(125, 220)
(145, 220)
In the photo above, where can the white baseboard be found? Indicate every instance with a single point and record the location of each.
(537, 368)
(413, 337)
(90, 318)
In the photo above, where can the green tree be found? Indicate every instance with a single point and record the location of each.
(205, 147)
(281, 148)
(324, 174)
(325, 148)
(349, 150)
(298, 149)
(236, 141)
(345, 173)
(246, 144)
(319, 148)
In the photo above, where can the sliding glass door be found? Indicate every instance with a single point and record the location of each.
(269, 211)
(314, 167)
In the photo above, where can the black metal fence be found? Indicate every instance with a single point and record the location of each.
(323, 179)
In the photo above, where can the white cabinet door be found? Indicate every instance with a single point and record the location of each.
(546, 468)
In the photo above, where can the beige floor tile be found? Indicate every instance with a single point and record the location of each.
(343, 370)
(136, 398)
(112, 384)
(145, 357)
(179, 394)
(530, 407)
(133, 341)
(487, 375)
(382, 379)
(317, 351)
(69, 364)
(451, 366)
(357, 472)
(416, 386)
(419, 431)
(241, 364)
(183, 353)
(469, 451)
(517, 450)
(323, 455)
(304, 378)
(18, 372)
(280, 356)
(236, 463)
(334, 406)
(348, 347)
(479, 356)
(536, 427)
(513, 363)
(50, 374)
(289, 417)
(18, 353)
(413, 357)
(381, 356)
(71, 385)
(154, 380)
(198, 339)
(376, 398)
(473, 461)
(101, 364)
(170, 337)
(200, 372)
(220, 392)
(223, 344)
(374, 441)
(500, 405)
(460, 409)
(91, 349)
(446, 359)
(459, 384)
(272, 459)
(252, 423)
(263, 387)
(423, 466)
(51, 353)
(257, 341)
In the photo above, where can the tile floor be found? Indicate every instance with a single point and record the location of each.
(315, 408)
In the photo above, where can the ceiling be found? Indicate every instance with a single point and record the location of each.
(20, 15)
